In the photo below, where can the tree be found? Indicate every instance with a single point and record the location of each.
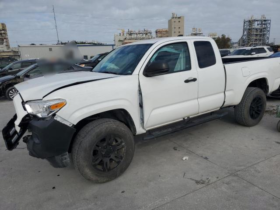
(223, 41)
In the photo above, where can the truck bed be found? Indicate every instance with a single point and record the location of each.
(240, 73)
(242, 59)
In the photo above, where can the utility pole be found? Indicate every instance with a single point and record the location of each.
(55, 25)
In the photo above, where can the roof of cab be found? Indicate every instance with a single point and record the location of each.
(161, 40)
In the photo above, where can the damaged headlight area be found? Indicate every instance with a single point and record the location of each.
(44, 109)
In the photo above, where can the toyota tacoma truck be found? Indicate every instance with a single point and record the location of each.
(141, 90)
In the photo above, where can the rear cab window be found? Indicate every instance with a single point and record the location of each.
(205, 54)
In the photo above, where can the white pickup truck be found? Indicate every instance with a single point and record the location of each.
(147, 89)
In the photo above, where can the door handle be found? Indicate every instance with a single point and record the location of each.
(190, 80)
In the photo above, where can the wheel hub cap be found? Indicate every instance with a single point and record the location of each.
(108, 153)
(256, 108)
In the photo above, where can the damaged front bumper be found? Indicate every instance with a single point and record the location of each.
(50, 138)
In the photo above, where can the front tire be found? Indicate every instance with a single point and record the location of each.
(251, 109)
(103, 150)
(11, 92)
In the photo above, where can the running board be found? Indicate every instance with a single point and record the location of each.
(157, 132)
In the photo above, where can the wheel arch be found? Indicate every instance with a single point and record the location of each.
(121, 115)
(261, 83)
(8, 85)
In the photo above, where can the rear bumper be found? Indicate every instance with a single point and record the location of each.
(50, 140)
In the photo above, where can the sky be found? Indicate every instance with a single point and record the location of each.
(32, 21)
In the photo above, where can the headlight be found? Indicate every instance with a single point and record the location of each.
(44, 109)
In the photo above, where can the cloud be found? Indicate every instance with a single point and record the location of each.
(32, 21)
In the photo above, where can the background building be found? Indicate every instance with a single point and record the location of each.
(256, 32)
(56, 51)
(213, 35)
(196, 32)
(6, 52)
(4, 40)
(176, 25)
(131, 36)
(160, 33)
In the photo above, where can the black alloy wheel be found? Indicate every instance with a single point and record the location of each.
(256, 108)
(108, 153)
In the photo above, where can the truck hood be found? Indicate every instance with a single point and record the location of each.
(38, 88)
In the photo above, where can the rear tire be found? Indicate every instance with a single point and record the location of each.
(251, 109)
(11, 92)
(103, 150)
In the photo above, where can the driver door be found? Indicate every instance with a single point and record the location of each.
(173, 96)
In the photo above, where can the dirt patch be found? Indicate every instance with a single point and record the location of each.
(271, 110)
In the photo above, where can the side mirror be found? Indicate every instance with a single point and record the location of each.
(10, 68)
(156, 69)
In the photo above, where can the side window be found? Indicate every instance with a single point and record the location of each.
(260, 50)
(205, 54)
(15, 66)
(34, 72)
(25, 64)
(177, 57)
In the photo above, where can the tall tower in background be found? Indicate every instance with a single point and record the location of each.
(256, 32)
(4, 40)
(176, 25)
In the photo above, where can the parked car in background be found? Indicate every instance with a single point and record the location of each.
(144, 90)
(15, 67)
(6, 61)
(8, 82)
(224, 52)
(250, 52)
(275, 55)
(94, 61)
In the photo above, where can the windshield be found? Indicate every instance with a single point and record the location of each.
(123, 60)
(26, 70)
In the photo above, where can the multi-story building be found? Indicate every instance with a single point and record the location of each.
(4, 40)
(160, 33)
(256, 32)
(176, 25)
(131, 36)
(197, 32)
